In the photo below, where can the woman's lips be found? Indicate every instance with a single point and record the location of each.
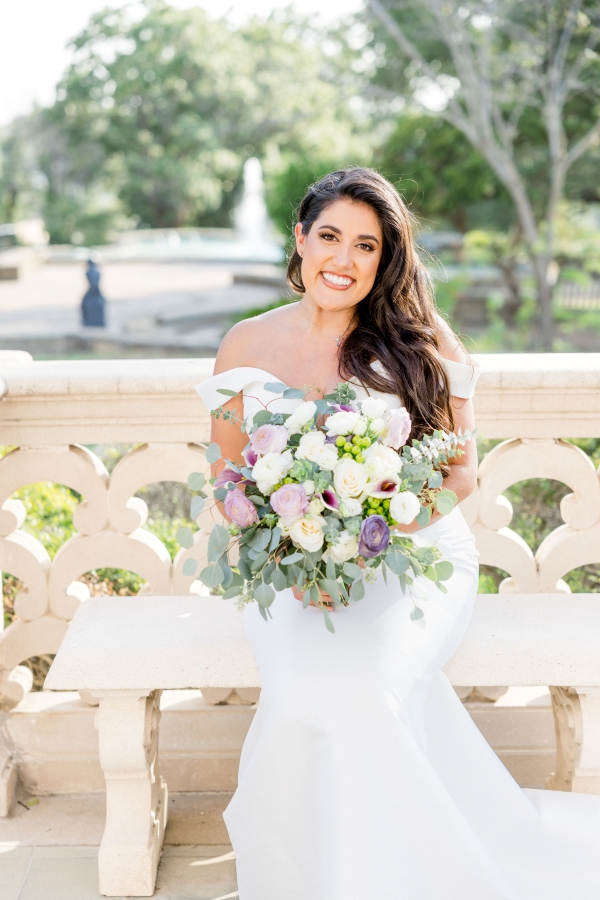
(341, 283)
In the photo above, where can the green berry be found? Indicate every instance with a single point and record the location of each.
(360, 458)
(355, 451)
(288, 480)
(386, 503)
(347, 447)
(340, 440)
(357, 439)
(347, 456)
(365, 442)
(372, 501)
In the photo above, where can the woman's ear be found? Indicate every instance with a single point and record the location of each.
(300, 239)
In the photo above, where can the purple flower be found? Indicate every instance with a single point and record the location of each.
(374, 536)
(226, 475)
(239, 508)
(398, 428)
(343, 406)
(330, 499)
(250, 457)
(269, 439)
(290, 502)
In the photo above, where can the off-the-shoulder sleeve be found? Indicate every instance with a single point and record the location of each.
(232, 380)
(462, 378)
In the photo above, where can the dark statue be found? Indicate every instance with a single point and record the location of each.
(93, 305)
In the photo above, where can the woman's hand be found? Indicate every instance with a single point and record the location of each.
(326, 598)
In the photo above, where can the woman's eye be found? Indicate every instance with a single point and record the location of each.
(366, 247)
(327, 234)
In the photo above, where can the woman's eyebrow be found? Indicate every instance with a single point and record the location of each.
(362, 237)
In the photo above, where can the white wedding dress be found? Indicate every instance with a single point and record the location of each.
(362, 776)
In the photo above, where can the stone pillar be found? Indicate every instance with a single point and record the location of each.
(577, 725)
(136, 795)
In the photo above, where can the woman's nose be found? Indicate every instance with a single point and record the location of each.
(343, 256)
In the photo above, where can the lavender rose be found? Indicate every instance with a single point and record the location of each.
(269, 439)
(374, 536)
(290, 502)
(240, 509)
(398, 428)
(226, 475)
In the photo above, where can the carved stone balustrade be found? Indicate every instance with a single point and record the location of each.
(50, 411)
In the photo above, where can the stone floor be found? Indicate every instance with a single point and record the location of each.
(49, 851)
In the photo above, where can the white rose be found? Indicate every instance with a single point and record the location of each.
(345, 549)
(302, 415)
(328, 458)
(340, 422)
(285, 527)
(372, 408)
(309, 487)
(350, 507)
(404, 507)
(310, 446)
(315, 507)
(308, 533)
(349, 478)
(270, 469)
(377, 426)
(360, 426)
(390, 458)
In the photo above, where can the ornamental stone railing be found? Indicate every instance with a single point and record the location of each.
(50, 411)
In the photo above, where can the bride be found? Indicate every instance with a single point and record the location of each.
(362, 776)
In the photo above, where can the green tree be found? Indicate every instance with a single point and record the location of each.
(500, 72)
(171, 105)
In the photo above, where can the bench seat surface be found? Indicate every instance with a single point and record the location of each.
(193, 642)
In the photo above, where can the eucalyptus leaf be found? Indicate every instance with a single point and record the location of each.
(293, 394)
(213, 453)
(330, 569)
(212, 576)
(446, 492)
(189, 567)
(315, 593)
(262, 417)
(294, 558)
(430, 573)
(328, 622)
(227, 392)
(218, 542)
(268, 571)
(261, 539)
(435, 480)
(441, 587)
(259, 561)
(353, 570)
(330, 587)
(444, 570)
(424, 516)
(196, 481)
(275, 538)
(220, 493)
(196, 506)
(185, 537)
(227, 577)
(306, 599)
(275, 387)
(244, 569)
(301, 578)
(231, 592)
(257, 499)
(444, 505)
(396, 561)
(263, 612)
(264, 594)
(279, 580)
(357, 591)
(418, 616)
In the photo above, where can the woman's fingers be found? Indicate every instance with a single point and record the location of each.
(326, 599)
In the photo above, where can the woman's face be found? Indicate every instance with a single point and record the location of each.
(340, 255)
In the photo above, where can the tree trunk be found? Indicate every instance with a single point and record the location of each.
(545, 293)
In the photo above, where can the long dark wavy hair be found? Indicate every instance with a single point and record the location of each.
(396, 322)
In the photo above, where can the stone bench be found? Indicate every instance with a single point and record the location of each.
(124, 652)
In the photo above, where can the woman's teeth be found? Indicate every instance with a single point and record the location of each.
(337, 279)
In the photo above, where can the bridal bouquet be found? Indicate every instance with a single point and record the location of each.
(314, 507)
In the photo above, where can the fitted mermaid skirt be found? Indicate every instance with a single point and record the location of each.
(363, 777)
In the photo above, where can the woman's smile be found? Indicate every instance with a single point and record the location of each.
(337, 282)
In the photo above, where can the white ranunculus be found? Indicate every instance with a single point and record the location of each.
(302, 415)
(311, 446)
(328, 458)
(350, 506)
(372, 408)
(404, 507)
(340, 422)
(349, 478)
(360, 426)
(270, 469)
(345, 549)
(390, 458)
(377, 426)
(309, 487)
(308, 533)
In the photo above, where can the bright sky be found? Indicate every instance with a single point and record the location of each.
(33, 35)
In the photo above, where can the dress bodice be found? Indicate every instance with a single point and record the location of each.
(251, 381)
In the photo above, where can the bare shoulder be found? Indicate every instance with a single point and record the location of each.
(247, 343)
(449, 345)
